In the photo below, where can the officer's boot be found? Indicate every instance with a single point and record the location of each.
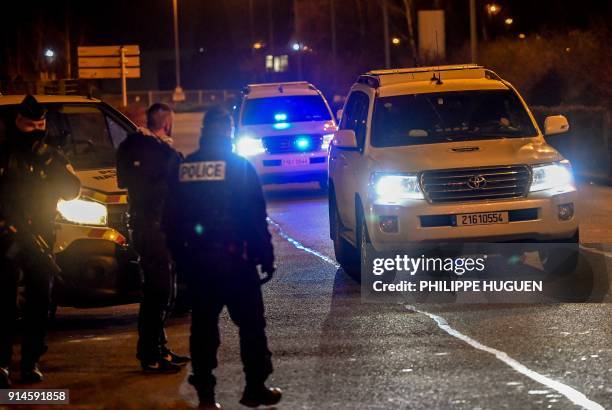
(30, 373)
(206, 393)
(5, 381)
(260, 395)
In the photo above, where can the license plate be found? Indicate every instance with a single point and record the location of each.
(292, 162)
(483, 218)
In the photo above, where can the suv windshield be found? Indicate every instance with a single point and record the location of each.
(451, 116)
(300, 108)
(85, 133)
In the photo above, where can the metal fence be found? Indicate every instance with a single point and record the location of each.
(588, 144)
(194, 99)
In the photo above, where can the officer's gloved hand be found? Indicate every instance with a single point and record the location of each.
(268, 270)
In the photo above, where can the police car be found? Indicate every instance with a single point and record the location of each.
(284, 130)
(98, 266)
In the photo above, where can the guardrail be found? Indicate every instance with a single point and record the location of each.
(588, 144)
(194, 99)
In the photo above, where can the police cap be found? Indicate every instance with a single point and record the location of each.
(30, 108)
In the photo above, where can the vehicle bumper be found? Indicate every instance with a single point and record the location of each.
(532, 219)
(97, 272)
(304, 167)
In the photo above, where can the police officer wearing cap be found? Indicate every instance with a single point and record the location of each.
(33, 177)
(216, 220)
(144, 160)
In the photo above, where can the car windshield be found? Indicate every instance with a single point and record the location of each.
(84, 132)
(450, 116)
(300, 108)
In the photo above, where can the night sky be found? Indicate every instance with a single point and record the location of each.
(216, 36)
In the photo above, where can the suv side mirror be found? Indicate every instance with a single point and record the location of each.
(555, 124)
(345, 139)
(339, 114)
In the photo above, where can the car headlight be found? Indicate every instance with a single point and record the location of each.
(248, 146)
(556, 176)
(84, 212)
(395, 187)
(327, 139)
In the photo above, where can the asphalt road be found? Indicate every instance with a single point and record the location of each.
(331, 350)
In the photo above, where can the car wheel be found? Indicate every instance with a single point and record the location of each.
(346, 255)
(559, 262)
(364, 246)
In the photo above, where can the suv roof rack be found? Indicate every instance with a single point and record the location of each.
(377, 78)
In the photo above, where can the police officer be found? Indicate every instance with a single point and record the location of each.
(143, 162)
(33, 177)
(217, 221)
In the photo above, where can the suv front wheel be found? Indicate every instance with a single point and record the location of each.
(346, 255)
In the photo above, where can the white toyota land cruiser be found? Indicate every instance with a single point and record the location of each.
(441, 154)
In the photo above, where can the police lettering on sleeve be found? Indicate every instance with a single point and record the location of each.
(202, 171)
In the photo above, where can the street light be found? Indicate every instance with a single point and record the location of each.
(49, 53)
(493, 9)
(258, 45)
(296, 46)
(178, 94)
(396, 41)
(508, 21)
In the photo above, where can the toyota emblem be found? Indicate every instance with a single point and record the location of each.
(477, 182)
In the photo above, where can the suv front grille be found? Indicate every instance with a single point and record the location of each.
(289, 143)
(476, 184)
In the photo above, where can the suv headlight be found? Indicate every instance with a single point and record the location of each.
(557, 176)
(395, 187)
(83, 212)
(249, 146)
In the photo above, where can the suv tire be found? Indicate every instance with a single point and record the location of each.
(346, 254)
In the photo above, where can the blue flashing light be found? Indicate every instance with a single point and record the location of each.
(281, 125)
(281, 116)
(302, 143)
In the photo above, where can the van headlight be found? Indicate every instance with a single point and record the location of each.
(248, 146)
(83, 212)
(556, 176)
(395, 187)
(327, 139)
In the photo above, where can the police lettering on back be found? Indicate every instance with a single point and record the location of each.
(202, 171)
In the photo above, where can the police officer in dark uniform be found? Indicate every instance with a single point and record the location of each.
(217, 222)
(143, 162)
(33, 177)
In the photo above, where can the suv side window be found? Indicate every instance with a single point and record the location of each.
(356, 116)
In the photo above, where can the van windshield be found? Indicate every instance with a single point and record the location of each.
(450, 116)
(296, 108)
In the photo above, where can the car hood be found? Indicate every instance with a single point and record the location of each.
(266, 130)
(101, 185)
(463, 154)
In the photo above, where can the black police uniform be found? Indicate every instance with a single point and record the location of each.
(143, 163)
(217, 222)
(33, 177)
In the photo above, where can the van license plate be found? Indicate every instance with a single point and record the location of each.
(293, 162)
(484, 218)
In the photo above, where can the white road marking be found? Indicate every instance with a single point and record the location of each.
(570, 393)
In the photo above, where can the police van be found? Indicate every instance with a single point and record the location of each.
(98, 266)
(284, 130)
